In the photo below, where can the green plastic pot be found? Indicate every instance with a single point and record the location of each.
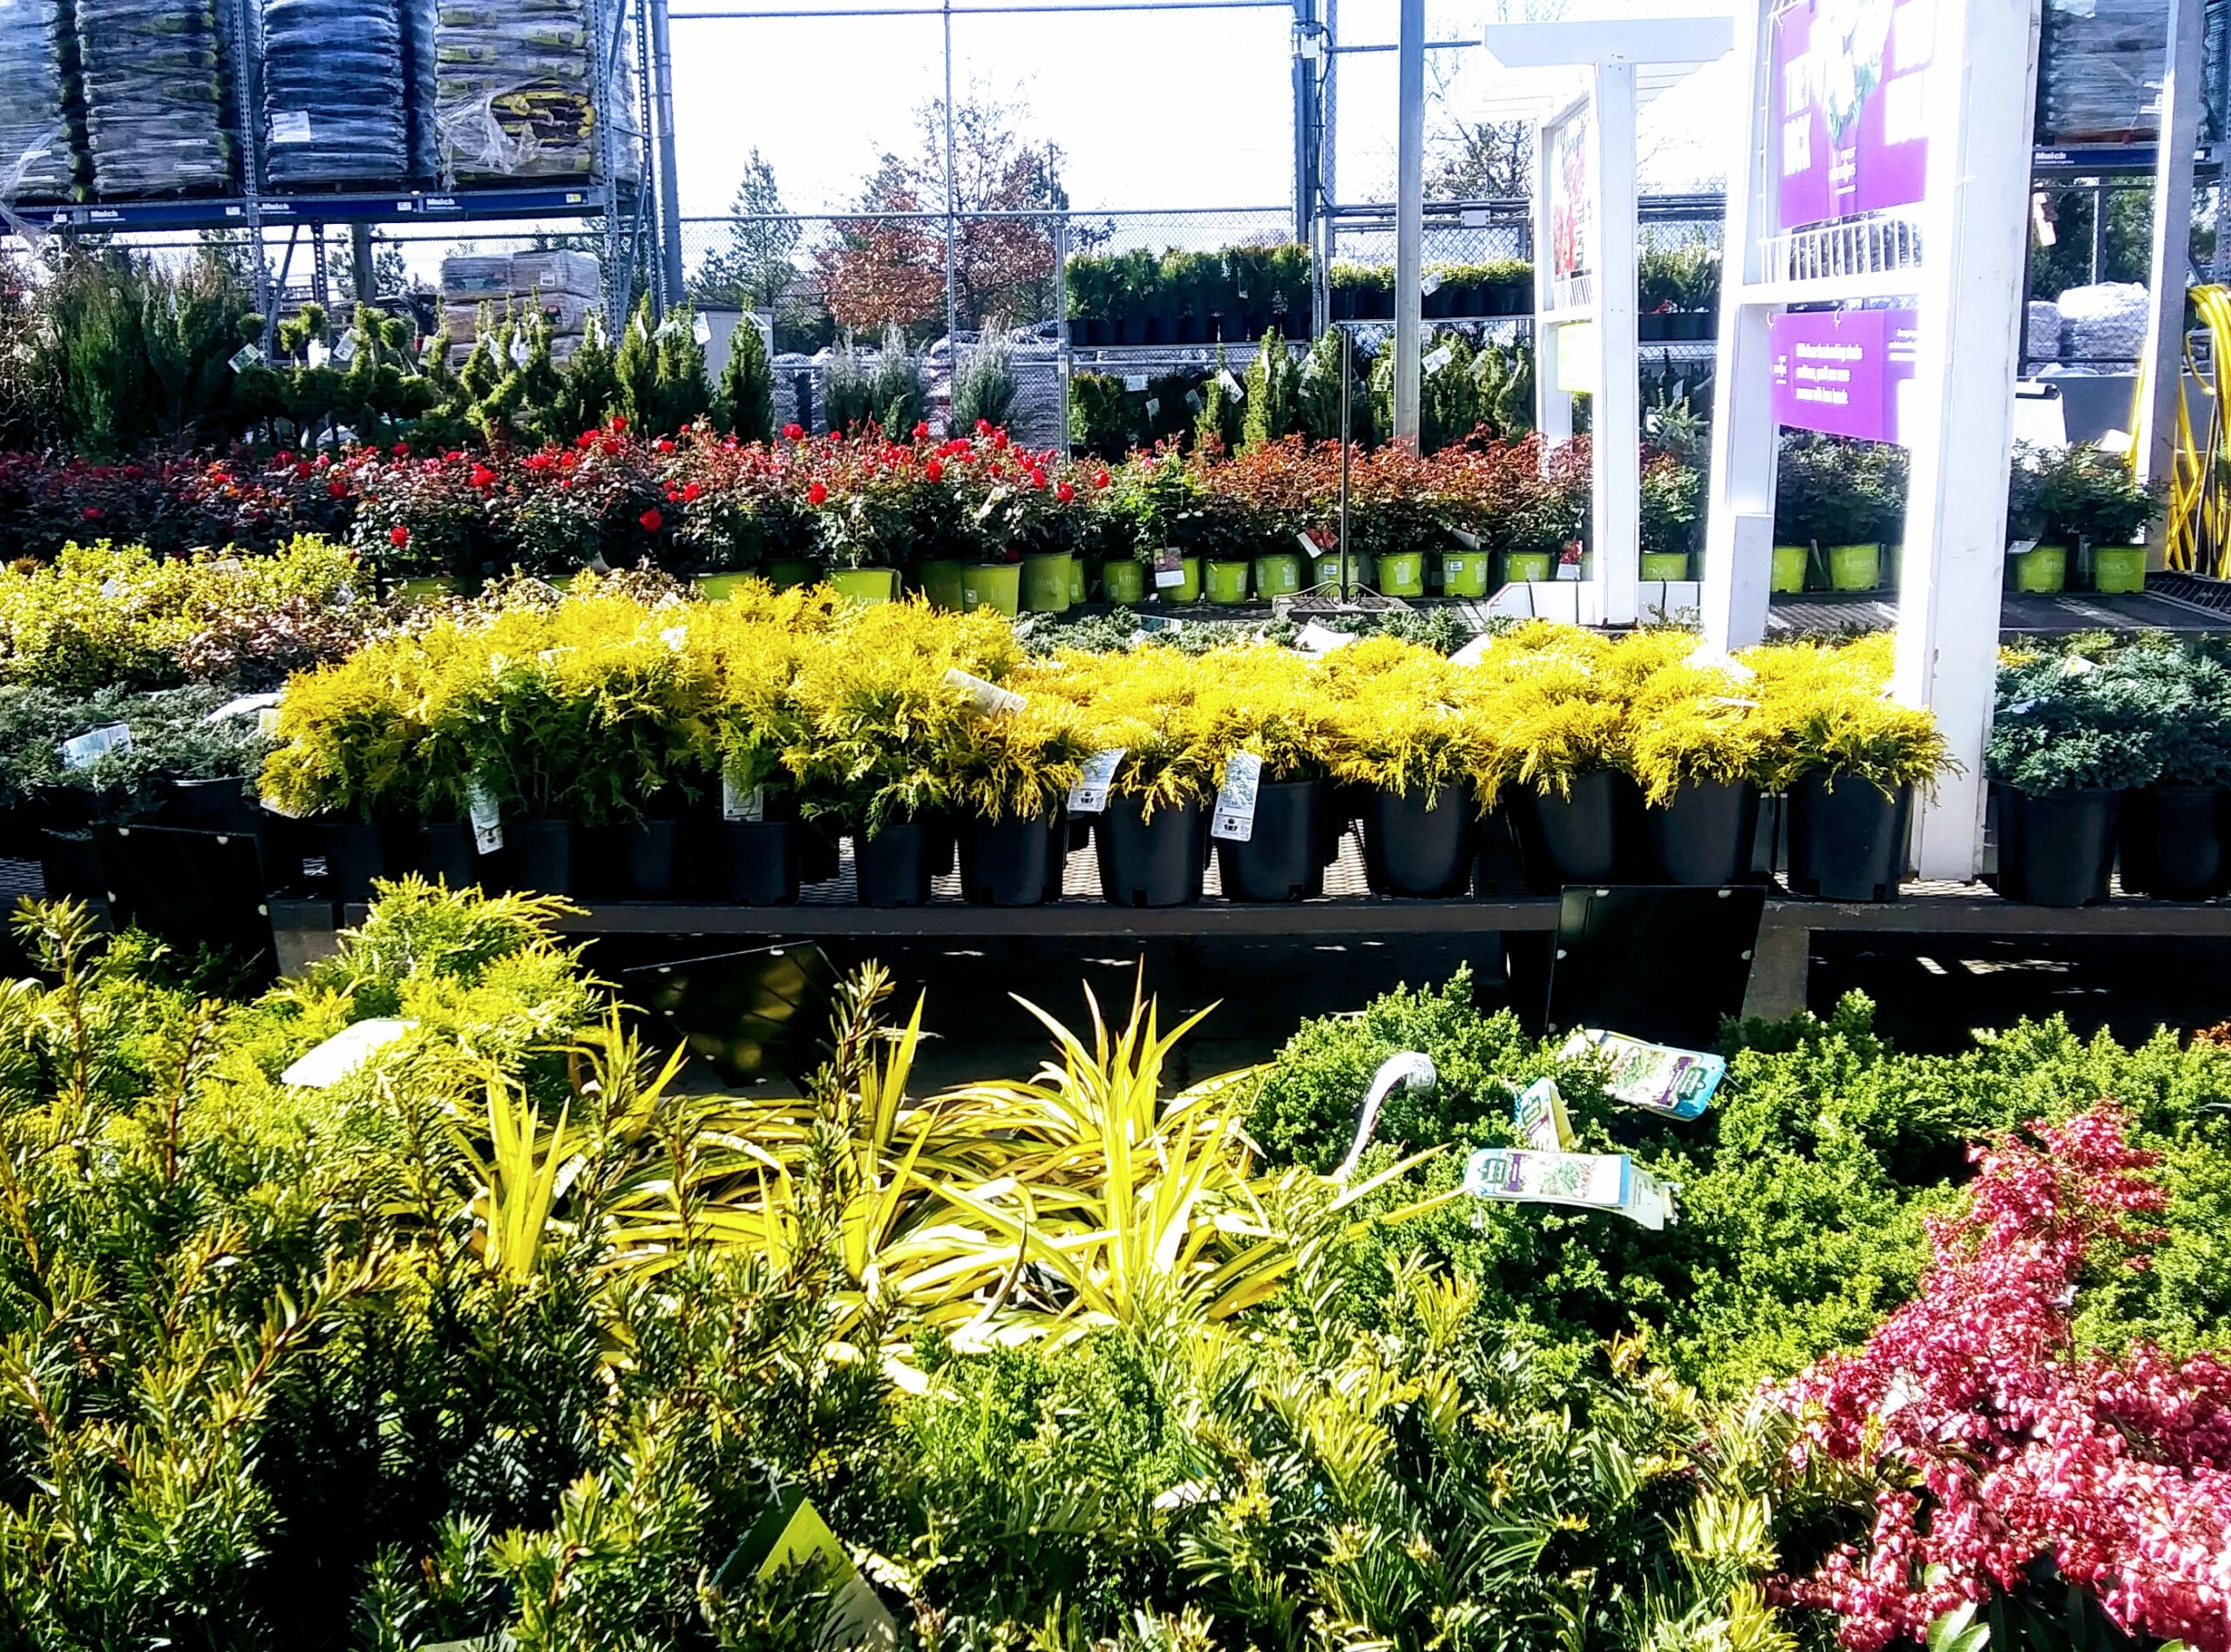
(1665, 564)
(1277, 574)
(1464, 573)
(944, 582)
(782, 572)
(1790, 562)
(1080, 581)
(1402, 573)
(1521, 567)
(1186, 587)
(719, 587)
(433, 584)
(865, 586)
(1123, 582)
(2045, 568)
(2118, 569)
(1227, 582)
(1327, 572)
(1854, 567)
(996, 586)
(1045, 583)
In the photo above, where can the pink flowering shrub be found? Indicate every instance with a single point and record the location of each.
(1999, 1445)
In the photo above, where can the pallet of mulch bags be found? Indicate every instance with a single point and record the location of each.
(42, 124)
(156, 77)
(334, 94)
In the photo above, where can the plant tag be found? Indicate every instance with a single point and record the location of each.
(345, 1052)
(241, 707)
(1431, 284)
(1168, 568)
(273, 806)
(1655, 1077)
(2019, 708)
(1154, 406)
(345, 351)
(2078, 666)
(1315, 639)
(1539, 1113)
(701, 328)
(1134, 382)
(1235, 813)
(245, 357)
(110, 589)
(520, 349)
(95, 743)
(676, 637)
(1089, 795)
(987, 697)
(1451, 564)
(1469, 540)
(1437, 359)
(1193, 400)
(315, 353)
(267, 722)
(1592, 1180)
(1310, 548)
(1705, 657)
(487, 818)
(1231, 386)
(746, 804)
(290, 126)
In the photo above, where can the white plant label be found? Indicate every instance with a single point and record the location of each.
(701, 330)
(1134, 382)
(1315, 639)
(676, 637)
(987, 697)
(1154, 406)
(1193, 400)
(1592, 1180)
(267, 722)
(487, 818)
(110, 589)
(2020, 546)
(345, 1052)
(1310, 548)
(1169, 570)
(345, 351)
(1089, 795)
(1539, 1115)
(94, 744)
(744, 803)
(1235, 811)
(1451, 564)
(245, 357)
(241, 707)
(1431, 284)
(315, 353)
(1469, 540)
(1231, 386)
(1439, 359)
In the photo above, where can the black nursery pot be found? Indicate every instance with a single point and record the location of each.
(1013, 862)
(1848, 844)
(542, 854)
(1577, 839)
(444, 851)
(760, 862)
(1418, 845)
(1703, 837)
(2056, 848)
(211, 805)
(68, 866)
(1282, 859)
(651, 857)
(1150, 862)
(356, 853)
(2173, 846)
(893, 867)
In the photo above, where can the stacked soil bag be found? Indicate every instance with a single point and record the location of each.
(159, 115)
(514, 91)
(333, 93)
(40, 137)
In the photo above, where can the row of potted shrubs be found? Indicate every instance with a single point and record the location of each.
(720, 749)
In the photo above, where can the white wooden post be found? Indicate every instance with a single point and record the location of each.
(1552, 405)
(2181, 97)
(1983, 85)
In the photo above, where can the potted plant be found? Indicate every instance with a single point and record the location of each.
(2095, 501)
(1261, 704)
(1673, 499)
(1134, 303)
(1693, 747)
(2069, 740)
(1091, 283)
(348, 746)
(1011, 772)
(751, 847)
(2033, 564)
(1400, 735)
(2172, 830)
(1557, 743)
(1151, 842)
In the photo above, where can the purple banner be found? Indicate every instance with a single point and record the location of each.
(1849, 107)
(1838, 371)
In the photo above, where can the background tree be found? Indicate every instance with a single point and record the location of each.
(756, 268)
(744, 405)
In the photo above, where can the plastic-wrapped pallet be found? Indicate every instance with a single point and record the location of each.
(565, 286)
(333, 105)
(2106, 324)
(159, 116)
(2042, 339)
(418, 89)
(39, 151)
(2099, 79)
(514, 91)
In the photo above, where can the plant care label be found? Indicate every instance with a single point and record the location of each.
(1470, 541)
(1431, 283)
(1539, 1113)
(1137, 383)
(1089, 795)
(1314, 638)
(2021, 547)
(1592, 1180)
(1705, 657)
(243, 706)
(520, 350)
(487, 818)
(1154, 406)
(1231, 386)
(314, 352)
(987, 697)
(245, 357)
(1235, 810)
(701, 328)
(747, 804)
(95, 743)
(345, 1052)
(1169, 568)
(1309, 546)
(1656, 1076)
(1435, 360)
(345, 351)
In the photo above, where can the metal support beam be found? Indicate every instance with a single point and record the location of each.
(1308, 133)
(1409, 218)
(669, 171)
(2164, 362)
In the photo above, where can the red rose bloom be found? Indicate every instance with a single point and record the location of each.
(1038, 479)
(651, 521)
(983, 427)
(794, 432)
(816, 494)
(398, 535)
(934, 469)
(1100, 479)
(921, 430)
(483, 477)
(336, 488)
(690, 494)
(619, 422)
(1064, 493)
(1000, 439)
(664, 444)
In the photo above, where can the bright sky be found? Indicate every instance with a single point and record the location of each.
(1164, 109)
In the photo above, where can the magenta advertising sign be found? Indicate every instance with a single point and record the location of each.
(1851, 106)
(1838, 371)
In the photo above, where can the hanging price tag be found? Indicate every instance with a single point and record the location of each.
(94, 744)
(987, 697)
(1168, 568)
(1235, 811)
(1089, 795)
(487, 818)
(745, 804)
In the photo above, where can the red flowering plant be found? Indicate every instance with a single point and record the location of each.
(1508, 497)
(417, 519)
(873, 503)
(729, 505)
(2008, 1457)
(1013, 501)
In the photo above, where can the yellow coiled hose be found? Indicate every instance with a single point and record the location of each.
(2197, 538)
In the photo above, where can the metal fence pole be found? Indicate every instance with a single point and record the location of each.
(951, 219)
(1062, 360)
(1409, 220)
(670, 169)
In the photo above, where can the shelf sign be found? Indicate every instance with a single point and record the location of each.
(1572, 200)
(1850, 107)
(1841, 372)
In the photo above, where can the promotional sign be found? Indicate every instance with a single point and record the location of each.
(1849, 108)
(1572, 202)
(1840, 371)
